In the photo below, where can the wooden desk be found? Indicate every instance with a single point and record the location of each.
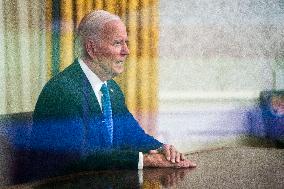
(218, 168)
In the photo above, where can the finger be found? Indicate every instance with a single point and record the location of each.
(173, 154)
(153, 152)
(167, 152)
(178, 155)
(190, 164)
(186, 164)
(182, 157)
(179, 165)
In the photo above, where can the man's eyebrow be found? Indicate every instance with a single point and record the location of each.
(121, 40)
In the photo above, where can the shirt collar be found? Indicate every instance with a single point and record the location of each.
(92, 77)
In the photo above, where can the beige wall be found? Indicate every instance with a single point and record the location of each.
(219, 50)
(215, 56)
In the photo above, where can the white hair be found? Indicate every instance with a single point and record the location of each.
(91, 27)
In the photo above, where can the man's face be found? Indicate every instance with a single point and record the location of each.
(112, 49)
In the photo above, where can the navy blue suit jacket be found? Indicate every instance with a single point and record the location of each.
(68, 132)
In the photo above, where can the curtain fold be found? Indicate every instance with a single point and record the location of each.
(66, 32)
(22, 48)
(2, 62)
(39, 42)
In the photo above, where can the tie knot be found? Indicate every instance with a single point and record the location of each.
(104, 89)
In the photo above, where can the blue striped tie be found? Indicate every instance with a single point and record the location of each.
(107, 112)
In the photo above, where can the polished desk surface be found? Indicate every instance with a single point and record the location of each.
(238, 167)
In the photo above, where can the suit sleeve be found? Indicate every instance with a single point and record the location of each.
(134, 136)
(103, 160)
(137, 137)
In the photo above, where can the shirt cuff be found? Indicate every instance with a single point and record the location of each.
(140, 162)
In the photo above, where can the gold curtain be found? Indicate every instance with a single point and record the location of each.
(139, 82)
(22, 51)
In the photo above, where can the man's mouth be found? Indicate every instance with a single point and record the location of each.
(119, 62)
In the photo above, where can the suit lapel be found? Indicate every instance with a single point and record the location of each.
(89, 100)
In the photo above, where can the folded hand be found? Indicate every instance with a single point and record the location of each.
(159, 160)
(170, 153)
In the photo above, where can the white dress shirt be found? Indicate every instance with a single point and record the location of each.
(96, 84)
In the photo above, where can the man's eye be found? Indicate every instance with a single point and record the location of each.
(117, 43)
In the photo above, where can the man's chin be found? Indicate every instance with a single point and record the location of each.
(117, 72)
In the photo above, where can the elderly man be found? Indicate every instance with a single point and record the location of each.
(81, 121)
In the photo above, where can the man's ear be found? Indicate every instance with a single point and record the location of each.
(90, 48)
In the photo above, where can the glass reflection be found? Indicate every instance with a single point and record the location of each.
(147, 178)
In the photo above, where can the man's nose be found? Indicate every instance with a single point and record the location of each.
(125, 50)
